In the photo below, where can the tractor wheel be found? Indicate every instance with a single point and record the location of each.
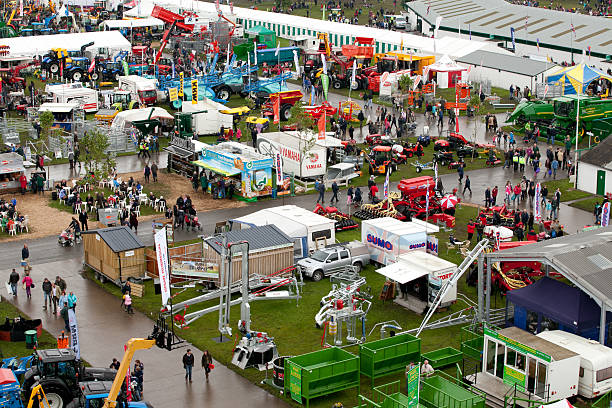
(336, 84)
(409, 155)
(223, 93)
(77, 76)
(54, 68)
(419, 169)
(355, 85)
(57, 395)
(95, 76)
(443, 163)
(285, 112)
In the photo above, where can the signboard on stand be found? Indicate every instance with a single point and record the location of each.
(295, 382)
(412, 386)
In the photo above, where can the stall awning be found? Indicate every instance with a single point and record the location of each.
(225, 173)
(401, 273)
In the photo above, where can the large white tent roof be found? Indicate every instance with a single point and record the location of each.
(452, 46)
(132, 115)
(40, 45)
(445, 64)
(140, 22)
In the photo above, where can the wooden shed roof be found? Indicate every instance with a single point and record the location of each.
(118, 239)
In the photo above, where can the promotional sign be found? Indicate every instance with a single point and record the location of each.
(512, 37)
(74, 333)
(279, 168)
(325, 83)
(512, 376)
(386, 185)
(432, 245)
(296, 61)
(605, 214)
(295, 382)
(276, 110)
(194, 91)
(126, 68)
(161, 253)
(538, 202)
(412, 385)
(173, 94)
(515, 345)
(321, 123)
(181, 87)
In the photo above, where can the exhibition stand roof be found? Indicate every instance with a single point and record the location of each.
(40, 45)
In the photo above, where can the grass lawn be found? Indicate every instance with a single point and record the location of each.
(568, 192)
(292, 324)
(18, 349)
(144, 209)
(587, 204)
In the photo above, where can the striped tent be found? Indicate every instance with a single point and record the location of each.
(576, 79)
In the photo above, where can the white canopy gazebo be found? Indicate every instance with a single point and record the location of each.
(446, 72)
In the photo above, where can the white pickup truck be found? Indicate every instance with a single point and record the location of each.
(332, 258)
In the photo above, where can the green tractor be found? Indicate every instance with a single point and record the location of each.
(122, 100)
(532, 111)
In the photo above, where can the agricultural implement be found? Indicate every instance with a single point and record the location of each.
(343, 220)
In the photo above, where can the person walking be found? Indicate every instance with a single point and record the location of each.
(460, 172)
(28, 284)
(487, 197)
(23, 182)
(57, 293)
(154, 170)
(188, 361)
(494, 193)
(83, 220)
(127, 301)
(335, 190)
(467, 185)
(25, 255)
(134, 221)
(13, 281)
(321, 189)
(72, 300)
(47, 288)
(61, 283)
(207, 363)
(147, 172)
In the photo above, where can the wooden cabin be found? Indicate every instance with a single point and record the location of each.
(114, 253)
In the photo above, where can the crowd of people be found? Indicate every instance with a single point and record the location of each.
(591, 7)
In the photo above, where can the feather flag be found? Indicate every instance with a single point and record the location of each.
(321, 123)
(386, 186)
(276, 110)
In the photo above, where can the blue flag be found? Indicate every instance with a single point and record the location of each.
(512, 37)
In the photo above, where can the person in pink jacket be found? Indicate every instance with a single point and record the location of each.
(28, 283)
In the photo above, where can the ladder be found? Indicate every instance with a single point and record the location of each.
(467, 262)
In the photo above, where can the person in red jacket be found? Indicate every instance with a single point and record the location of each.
(373, 193)
(470, 229)
(23, 181)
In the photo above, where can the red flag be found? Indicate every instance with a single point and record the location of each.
(61, 69)
(321, 125)
(276, 109)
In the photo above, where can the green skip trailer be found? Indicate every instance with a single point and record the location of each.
(333, 369)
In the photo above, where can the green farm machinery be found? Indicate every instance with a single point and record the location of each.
(594, 117)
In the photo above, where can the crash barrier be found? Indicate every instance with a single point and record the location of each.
(386, 356)
(320, 373)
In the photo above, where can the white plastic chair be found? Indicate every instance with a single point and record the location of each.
(13, 230)
(77, 208)
(137, 210)
(25, 224)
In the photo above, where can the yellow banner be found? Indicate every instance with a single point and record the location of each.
(172, 94)
(181, 76)
(194, 91)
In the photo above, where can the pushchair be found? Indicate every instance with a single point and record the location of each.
(66, 238)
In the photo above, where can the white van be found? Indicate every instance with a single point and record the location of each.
(595, 361)
(143, 90)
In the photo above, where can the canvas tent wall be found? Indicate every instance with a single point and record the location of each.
(551, 304)
(304, 227)
(11, 167)
(105, 43)
(447, 72)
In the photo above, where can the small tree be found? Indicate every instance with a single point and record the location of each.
(406, 83)
(95, 144)
(46, 120)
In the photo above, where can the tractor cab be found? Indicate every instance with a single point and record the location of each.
(381, 158)
(386, 64)
(122, 100)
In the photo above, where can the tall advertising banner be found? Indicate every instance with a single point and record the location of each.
(161, 252)
(605, 214)
(194, 91)
(279, 169)
(74, 333)
(538, 202)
